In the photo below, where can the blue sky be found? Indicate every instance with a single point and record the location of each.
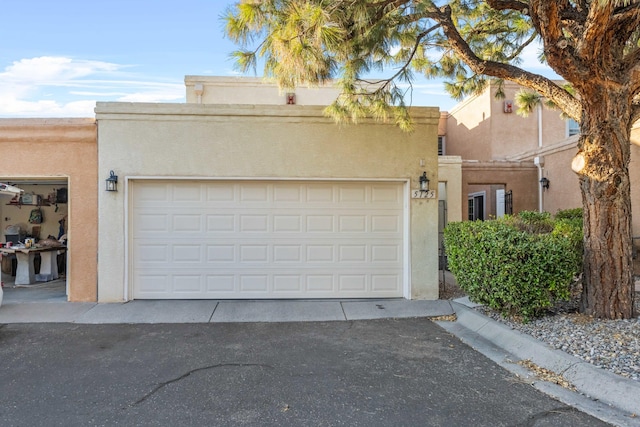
(58, 57)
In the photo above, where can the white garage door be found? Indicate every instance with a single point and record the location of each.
(274, 239)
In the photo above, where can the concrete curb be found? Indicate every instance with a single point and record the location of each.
(596, 383)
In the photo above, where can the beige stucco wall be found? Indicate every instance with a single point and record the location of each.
(450, 173)
(249, 91)
(442, 123)
(66, 149)
(249, 141)
(469, 129)
(479, 129)
(564, 187)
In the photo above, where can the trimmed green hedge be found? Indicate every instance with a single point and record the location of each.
(518, 265)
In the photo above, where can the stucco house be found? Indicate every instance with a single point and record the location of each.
(504, 154)
(246, 192)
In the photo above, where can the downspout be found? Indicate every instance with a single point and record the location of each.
(539, 161)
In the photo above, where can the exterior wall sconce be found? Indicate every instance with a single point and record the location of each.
(112, 182)
(424, 182)
(423, 192)
(544, 182)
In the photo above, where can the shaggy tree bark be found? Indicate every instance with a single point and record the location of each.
(603, 165)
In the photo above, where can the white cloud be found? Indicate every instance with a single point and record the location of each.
(157, 96)
(65, 87)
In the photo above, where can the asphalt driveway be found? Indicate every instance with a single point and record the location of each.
(406, 372)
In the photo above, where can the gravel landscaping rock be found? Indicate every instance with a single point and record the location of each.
(613, 345)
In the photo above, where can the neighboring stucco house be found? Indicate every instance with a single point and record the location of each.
(246, 192)
(504, 154)
(43, 156)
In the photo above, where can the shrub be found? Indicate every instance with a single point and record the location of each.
(531, 222)
(519, 266)
(572, 214)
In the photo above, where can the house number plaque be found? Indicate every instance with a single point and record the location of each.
(423, 194)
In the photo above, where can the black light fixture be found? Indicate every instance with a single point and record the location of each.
(424, 182)
(112, 182)
(544, 182)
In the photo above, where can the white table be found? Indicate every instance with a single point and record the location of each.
(25, 270)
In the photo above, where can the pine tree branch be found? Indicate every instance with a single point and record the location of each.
(597, 30)
(546, 87)
(560, 52)
(407, 63)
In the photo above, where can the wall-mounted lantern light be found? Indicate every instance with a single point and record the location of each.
(424, 182)
(544, 182)
(112, 182)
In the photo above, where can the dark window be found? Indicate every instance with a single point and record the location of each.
(476, 207)
(508, 202)
(441, 146)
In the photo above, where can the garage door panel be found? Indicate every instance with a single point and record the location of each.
(152, 223)
(384, 282)
(287, 223)
(253, 254)
(191, 223)
(352, 224)
(221, 284)
(152, 253)
(385, 194)
(261, 285)
(221, 223)
(216, 239)
(254, 223)
(220, 192)
(254, 283)
(150, 283)
(288, 252)
(352, 253)
(320, 253)
(288, 194)
(270, 283)
(386, 253)
(287, 283)
(320, 223)
(257, 192)
(353, 283)
(221, 253)
(352, 194)
(182, 254)
(153, 193)
(188, 283)
(385, 224)
(186, 193)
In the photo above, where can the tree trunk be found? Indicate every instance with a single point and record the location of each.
(603, 165)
